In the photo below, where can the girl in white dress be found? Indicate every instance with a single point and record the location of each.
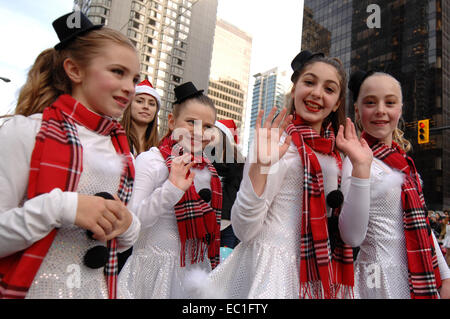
(62, 147)
(399, 256)
(180, 229)
(280, 213)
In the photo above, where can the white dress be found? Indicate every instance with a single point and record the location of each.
(153, 271)
(22, 222)
(381, 267)
(266, 264)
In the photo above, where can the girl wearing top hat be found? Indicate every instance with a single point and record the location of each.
(399, 256)
(140, 119)
(180, 224)
(289, 191)
(63, 146)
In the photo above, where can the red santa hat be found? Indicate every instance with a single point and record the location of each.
(229, 128)
(145, 87)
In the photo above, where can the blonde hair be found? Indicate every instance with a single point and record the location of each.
(397, 134)
(151, 133)
(47, 79)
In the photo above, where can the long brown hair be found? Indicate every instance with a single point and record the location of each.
(47, 79)
(151, 132)
(338, 117)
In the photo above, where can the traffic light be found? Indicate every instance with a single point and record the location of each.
(423, 131)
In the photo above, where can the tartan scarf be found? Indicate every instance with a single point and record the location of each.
(319, 267)
(197, 221)
(56, 162)
(423, 271)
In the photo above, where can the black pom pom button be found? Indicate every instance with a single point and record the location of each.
(205, 194)
(335, 198)
(96, 257)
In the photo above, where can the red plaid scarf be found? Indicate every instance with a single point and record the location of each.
(318, 266)
(424, 276)
(56, 162)
(197, 221)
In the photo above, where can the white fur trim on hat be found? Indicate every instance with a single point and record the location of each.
(144, 89)
(226, 130)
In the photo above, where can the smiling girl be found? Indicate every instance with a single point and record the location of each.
(140, 119)
(399, 256)
(180, 229)
(63, 146)
(280, 213)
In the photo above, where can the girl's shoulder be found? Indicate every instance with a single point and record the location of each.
(20, 129)
(153, 155)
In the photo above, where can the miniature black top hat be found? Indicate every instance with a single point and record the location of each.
(301, 58)
(185, 91)
(356, 80)
(71, 25)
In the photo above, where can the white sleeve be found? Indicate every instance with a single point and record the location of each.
(249, 210)
(153, 194)
(354, 216)
(130, 236)
(21, 226)
(443, 267)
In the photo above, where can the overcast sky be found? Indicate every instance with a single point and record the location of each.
(26, 31)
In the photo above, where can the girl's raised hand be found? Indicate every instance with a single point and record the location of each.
(180, 173)
(268, 150)
(355, 148)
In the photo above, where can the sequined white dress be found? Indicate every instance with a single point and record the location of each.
(22, 222)
(381, 267)
(153, 271)
(266, 264)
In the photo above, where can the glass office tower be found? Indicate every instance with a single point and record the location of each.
(411, 42)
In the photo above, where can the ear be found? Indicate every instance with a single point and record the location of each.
(338, 104)
(293, 92)
(73, 71)
(171, 121)
(356, 109)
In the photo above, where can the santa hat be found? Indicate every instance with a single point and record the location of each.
(229, 128)
(145, 87)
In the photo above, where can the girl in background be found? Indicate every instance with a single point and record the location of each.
(399, 256)
(229, 164)
(140, 122)
(62, 147)
(140, 119)
(180, 229)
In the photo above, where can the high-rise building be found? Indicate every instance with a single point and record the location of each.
(410, 40)
(174, 39)
(230, 72)
(269, 90)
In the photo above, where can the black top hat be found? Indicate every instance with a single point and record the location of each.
(71, 25)
(300, 60)
(185, 91)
